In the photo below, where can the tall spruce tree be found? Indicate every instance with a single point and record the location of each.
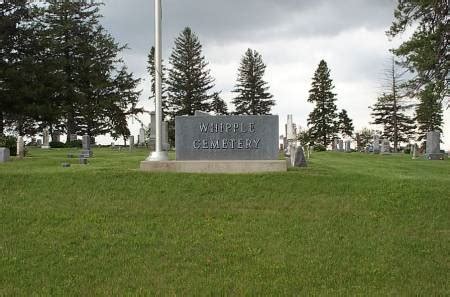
(92, 84)
(218, 105)
(189, 82)
(425, 54)
(345, 124)
(389, 110)
(252, 97)
(151, 70)
(429, 113)
(322, 120)
(21, 74)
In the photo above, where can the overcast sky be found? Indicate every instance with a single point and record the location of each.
(292, 36)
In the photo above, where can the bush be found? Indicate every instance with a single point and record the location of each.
(57, 144)
(75, 144)
(319, 148)
(9, 142)
(407, 151)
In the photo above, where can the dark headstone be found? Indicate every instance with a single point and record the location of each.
(226, 137)
(65, 165)
(298, 158)
(83, 161)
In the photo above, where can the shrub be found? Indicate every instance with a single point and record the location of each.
(319, 148)
(75, 144)
(9, 142)
(57, 144)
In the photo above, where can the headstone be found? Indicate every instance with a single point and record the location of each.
(83, 161)
(298, 157)
(39, 142)
(290, 129)
(335, 145)
(131, 142)
(45, 139)
(348, 148)
(20, 147)
(73, 137)
(56, 137)
(385, 147)
(165, 136)
(226, 138)
(376, 144)
(142, 136)
(4, 154)
(414, 151)
(433, 151)
(152, 138)
(86, 143)
(65, 165)
(341, 145)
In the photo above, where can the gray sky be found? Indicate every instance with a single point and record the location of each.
(292, 36)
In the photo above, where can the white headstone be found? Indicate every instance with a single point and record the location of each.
(376, 144)
(142, 136)
(45, 139)
(348, 147)
(20, 147)
(385, 147)
(290, 129)
(433, 151)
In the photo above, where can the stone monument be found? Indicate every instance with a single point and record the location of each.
(433, 151)
(298, 157)
(341, 145)
(290, 133)
(4, 154)
(20, 147)
(348, 148)
(385, 147)
(224, 144)
(376, 144)
(141, 136)
(131, 142)
(56, 137)
(86, 143)
(335, 145)
(73, 137)
(45, 139)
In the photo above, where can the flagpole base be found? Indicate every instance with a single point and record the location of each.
(158, 156)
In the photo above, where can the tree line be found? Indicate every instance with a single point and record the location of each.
(60, 70)
(413, 100)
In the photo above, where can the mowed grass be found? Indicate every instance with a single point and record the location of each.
(349, 224)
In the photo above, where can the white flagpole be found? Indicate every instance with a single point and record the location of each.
(158, 154)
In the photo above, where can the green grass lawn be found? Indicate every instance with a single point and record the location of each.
(350, 224)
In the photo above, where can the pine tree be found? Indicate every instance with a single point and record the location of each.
(218, 105)
(189, 80)
(151, 70)
(91, 83)
(253, 97)
(322, 120)
(429, 113)
(425, 54)
(345, 124)
(389, 110)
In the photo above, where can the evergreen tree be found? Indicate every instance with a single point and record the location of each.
(365, 137)
(389, 111)
(218, 105)
(429, 113)
(345, 124)
(20, 68)
(425, 54)
(253, 97)
(322, 120)
(151, 70)
(91, 82)
(189, 80)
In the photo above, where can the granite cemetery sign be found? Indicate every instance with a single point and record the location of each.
(226, 137)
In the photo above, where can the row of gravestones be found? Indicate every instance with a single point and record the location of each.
(339, 145)
(433, 146)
